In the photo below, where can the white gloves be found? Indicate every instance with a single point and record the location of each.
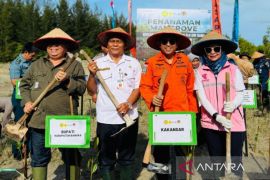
(226, 123)
(229, 106)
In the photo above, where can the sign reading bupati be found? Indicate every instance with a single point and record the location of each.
(250, 99)
(172, 128)
(17, 90)
(193, 23)
(67, 131)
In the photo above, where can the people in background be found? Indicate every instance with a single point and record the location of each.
(18, 68)
(262, 66)
(244, 64)
(195, 60)
(6, 109)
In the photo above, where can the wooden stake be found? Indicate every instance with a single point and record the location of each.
(147, 152)
(228, 134)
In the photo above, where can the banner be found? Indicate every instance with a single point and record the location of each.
(113, 14)
(194, 23)
(216, 22)
(235, 32)
(130, 16)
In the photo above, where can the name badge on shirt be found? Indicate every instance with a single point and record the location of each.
(120, 84)
(120, 81)
(36, 85)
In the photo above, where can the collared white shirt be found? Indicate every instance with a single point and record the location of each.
(122, 78)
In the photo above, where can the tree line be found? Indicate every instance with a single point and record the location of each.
(23, 21)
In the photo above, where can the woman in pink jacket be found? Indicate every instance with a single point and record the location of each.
(210, 86)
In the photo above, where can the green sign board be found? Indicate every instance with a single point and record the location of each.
(18, 93)
(172, 128)
(67, 131)
(250, 99)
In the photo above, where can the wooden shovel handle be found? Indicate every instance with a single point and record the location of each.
(161, 85)
(147, 152)
(228, 134)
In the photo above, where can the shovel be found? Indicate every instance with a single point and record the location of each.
(147, 152)
(228, 134)
(126, 117)
(17, 131)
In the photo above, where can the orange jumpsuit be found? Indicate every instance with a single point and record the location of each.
(179, 85)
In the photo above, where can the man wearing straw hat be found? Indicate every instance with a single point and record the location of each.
(178, 90)
(210, 81)
(122, 75)
(56, 102)
(262, 66)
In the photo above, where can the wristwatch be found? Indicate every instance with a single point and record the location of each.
(129, 105)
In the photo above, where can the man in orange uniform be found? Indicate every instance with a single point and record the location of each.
(178, 90)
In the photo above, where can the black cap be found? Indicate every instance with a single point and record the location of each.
(29, 47)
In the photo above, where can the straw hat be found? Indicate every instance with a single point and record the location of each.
(244, 54)
(192, 57)
(257, 55)
(56, 35)
(181, 40)
(118, 32)
(210, 38)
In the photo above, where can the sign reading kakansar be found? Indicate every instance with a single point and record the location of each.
(172, 128)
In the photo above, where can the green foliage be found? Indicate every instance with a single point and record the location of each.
(24, 21)
(266, 43)
(246, 46)
(93, 161)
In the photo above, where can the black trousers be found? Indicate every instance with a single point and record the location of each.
(124, 144)
(216, 142)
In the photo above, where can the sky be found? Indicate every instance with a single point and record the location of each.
(253, 14)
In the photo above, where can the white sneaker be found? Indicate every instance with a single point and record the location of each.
(159, 168)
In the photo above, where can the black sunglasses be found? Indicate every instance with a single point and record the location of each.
(209, 49)
(165, 41)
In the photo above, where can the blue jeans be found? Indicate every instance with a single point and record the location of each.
(41, 156)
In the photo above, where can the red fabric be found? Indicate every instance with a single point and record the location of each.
(133, 52)
(216, 22)
(130, 16)
(179, 85)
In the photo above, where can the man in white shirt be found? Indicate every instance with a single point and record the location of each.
(122, 74)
